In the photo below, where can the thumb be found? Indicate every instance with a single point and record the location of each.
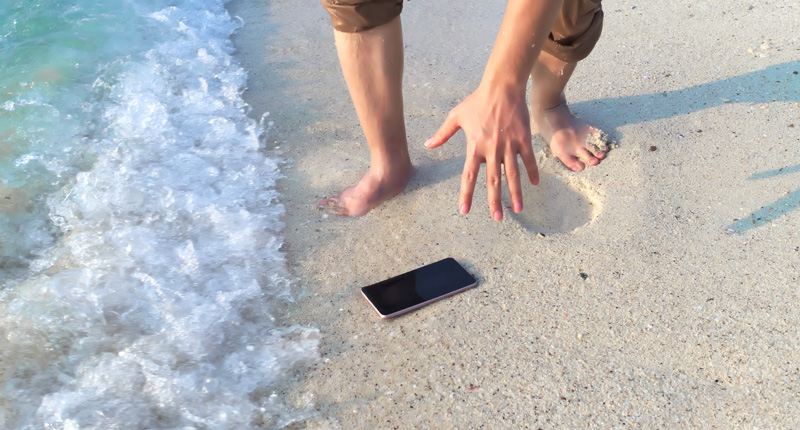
(446, 131)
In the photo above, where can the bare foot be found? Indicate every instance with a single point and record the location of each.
(571, 139)
(377, 186)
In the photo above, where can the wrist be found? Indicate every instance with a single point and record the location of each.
(505, 81)
(512, 88)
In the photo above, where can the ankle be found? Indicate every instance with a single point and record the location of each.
(549, 102)
(390, 163)
(390, 154)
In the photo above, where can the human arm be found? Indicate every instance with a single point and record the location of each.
(495, 117)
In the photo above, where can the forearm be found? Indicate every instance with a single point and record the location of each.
(525, 27)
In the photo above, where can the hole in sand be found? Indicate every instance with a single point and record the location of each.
(554, 206)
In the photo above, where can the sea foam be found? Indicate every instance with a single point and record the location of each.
(153, 303)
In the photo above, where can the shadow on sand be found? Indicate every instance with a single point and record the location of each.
(769, 213)
(778, 83)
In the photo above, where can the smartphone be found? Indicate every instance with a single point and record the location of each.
(417, 288)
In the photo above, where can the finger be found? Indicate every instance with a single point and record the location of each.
(529, 160)
(512, 178)
(493, 182)
(445, 132)
(468, 178)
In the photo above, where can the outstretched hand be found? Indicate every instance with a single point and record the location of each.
(497, 126)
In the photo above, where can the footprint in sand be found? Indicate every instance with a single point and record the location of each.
(557, 204)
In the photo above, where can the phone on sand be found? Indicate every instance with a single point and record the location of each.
(417, 288)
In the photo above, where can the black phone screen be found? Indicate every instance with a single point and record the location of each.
(414, 288)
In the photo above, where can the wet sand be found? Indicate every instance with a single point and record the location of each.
(12, 200)
(663, 292)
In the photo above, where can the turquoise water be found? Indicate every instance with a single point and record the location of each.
(139, 224)
(51, 55)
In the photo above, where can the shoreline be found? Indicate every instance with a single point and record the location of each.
(680, 322)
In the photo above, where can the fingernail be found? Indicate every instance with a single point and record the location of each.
(517, 207)
(429, 142)
(464, 208)
(498, 215)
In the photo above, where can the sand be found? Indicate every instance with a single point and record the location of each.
(12, 200)
(663, 292)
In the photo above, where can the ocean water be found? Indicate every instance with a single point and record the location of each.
(140, 229)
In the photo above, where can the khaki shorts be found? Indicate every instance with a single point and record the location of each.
(573, 36)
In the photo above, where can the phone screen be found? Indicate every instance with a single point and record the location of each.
(418, 287)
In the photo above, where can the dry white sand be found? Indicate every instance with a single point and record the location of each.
(688, 231)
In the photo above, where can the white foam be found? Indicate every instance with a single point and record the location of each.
(154, 308)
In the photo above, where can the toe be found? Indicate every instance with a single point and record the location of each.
(333, 205)
(597, 153)
(567, 158)
(572, 163)
(586, 156)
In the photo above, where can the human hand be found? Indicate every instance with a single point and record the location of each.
(497, 126)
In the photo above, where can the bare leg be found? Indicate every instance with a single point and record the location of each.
(571, 139)
(372, 63)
